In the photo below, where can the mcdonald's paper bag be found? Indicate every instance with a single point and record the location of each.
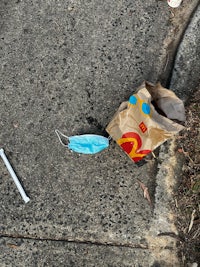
(138, 127)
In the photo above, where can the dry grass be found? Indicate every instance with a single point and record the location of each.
(187, 197)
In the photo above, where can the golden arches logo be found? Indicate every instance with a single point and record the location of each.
(131, 143)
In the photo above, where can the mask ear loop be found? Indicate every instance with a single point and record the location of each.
(58, 133)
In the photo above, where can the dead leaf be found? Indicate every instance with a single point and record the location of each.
(195, 185)
(187, 155)
(191, 221)
(12, 245)
(145, 190)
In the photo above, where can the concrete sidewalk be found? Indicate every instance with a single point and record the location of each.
(68, 65)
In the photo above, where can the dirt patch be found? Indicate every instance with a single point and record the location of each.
(187, 197)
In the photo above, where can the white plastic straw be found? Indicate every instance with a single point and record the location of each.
(12, 173)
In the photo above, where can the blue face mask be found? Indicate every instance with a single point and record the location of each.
(86, 143)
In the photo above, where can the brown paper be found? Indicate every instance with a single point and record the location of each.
(167, 101)
(138, 128)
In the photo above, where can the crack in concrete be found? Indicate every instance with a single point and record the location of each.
(75, 240)
(90, 242)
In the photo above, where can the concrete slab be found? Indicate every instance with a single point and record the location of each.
(68, 66)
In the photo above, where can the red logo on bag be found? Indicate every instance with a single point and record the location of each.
(143, 127)
(131, 143)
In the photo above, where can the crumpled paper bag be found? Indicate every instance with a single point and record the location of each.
(138, 128)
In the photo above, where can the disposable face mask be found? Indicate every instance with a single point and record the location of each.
(86, 143)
